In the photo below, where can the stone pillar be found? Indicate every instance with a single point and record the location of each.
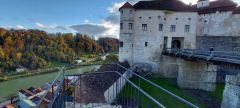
(231, 94)
(169, 42)
(197, 75)
(168, 67)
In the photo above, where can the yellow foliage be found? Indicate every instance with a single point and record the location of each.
(19, 56)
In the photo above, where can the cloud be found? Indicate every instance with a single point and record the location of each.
(20, 27)
(90, 29)
(40, 25)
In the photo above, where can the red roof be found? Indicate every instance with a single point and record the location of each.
(127, 5)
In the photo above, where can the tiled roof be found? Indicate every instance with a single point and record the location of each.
(218, 5)
(127, 5)
(170, 5)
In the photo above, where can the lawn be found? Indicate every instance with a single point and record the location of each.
(57, 64)
(219, 91)
(165, 99)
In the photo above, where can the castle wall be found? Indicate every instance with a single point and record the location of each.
(151, 54)
(219, 24)
(219, 43)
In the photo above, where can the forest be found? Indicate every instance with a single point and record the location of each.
(34, 49)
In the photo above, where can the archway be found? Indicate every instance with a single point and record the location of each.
(176, 44)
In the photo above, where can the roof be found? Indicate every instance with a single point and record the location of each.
(127, 5)
(218, 5)
(170, 5)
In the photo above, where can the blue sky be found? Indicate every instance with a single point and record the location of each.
(93, 17)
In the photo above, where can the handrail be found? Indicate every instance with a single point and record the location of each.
(134, 85)
(53, 82)
(159, 87)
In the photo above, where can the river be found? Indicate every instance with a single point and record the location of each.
(12, 86)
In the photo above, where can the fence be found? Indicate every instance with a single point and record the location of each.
(112, 85)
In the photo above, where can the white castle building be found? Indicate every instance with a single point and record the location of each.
(149, 27)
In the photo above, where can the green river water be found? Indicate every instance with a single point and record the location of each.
(12, 86)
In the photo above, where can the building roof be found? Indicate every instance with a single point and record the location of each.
(218, 5)
(127, 5)
(170, 5)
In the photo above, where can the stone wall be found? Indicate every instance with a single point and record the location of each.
(197, 75)
(219, 43)
(231, 94)
(168, 67)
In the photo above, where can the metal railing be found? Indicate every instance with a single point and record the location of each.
(119, 86)
(219, 56)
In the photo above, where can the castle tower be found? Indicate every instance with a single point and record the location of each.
(126, 32)
(203, 3)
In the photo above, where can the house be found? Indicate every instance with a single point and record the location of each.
(149, 27)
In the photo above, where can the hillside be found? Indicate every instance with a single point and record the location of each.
(34, 49)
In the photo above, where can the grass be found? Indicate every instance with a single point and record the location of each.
(219, 91)
(165, 99)
(57, 64)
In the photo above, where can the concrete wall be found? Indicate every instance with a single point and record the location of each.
(197, 75)
(223, 43)
(111, 93)
(168, 67)
(231, 94)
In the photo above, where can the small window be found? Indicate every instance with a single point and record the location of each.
(144, 27)
(176, 18)
(146, 44)
(173, 28)
(121, 44)
(130, 11)
(149, 17)
(189, 18)
(165, 18)
(140, 17)
(187, 28)
(130, 26)
(121, 26)
(122, 11)
(160, 27)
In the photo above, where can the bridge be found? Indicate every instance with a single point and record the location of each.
(196, 69)
(111, 86)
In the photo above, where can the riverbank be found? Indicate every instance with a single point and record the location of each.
(12, 86)
(37, 72)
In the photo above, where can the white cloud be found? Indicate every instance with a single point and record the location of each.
(20, 27)
(40, 25)
(114, 9)
(86, 21)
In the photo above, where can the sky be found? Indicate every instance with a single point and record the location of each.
(98, 18)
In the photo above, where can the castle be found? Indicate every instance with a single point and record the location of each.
(149, 27)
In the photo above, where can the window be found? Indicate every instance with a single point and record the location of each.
(173, 28)
(122, 11)
(189, 18)
(187, 28)
(121, 44)
(165, 18)
(149, 17)
(146, 44)
(160, 27)
(121, 26)
(144, 27)
(176, 18)
(130, 11)
(130, 26)
(140, 17)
